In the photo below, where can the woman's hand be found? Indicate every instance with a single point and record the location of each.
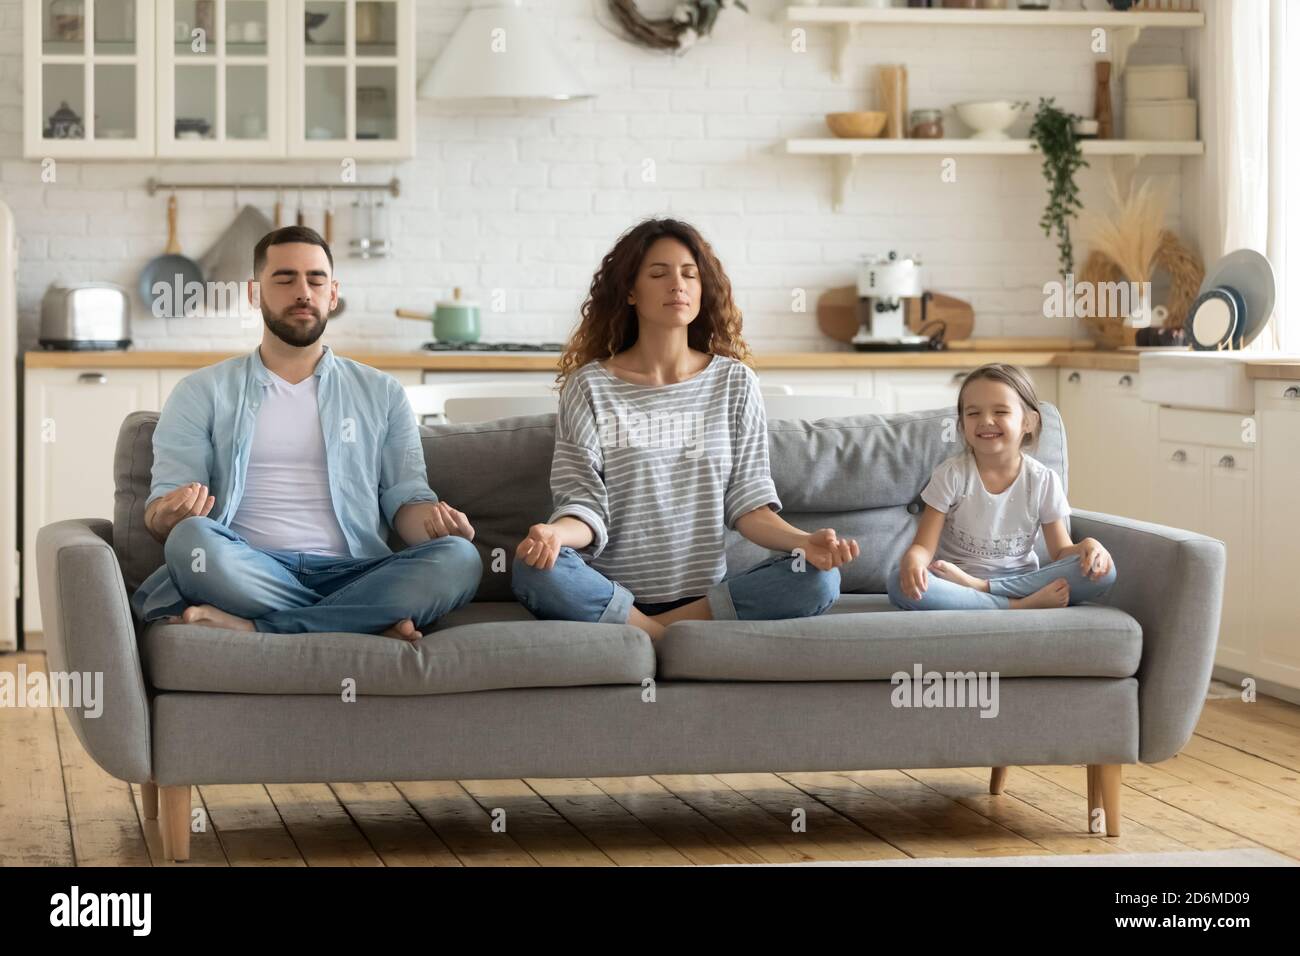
(541, 547)
(912, 572)
(825, 551)
(1094, 560)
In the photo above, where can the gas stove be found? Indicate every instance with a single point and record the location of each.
(493, 346)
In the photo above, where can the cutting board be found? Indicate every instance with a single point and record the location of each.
(837, 314)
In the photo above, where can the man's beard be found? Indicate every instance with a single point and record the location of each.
(292, 331)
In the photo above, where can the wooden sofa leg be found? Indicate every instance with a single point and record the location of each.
(1108, 778)
(997, 779)
(1103, 793)
(175, 822)
(149, 796)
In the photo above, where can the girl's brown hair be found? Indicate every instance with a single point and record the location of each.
(1019, 381)
(609, 322)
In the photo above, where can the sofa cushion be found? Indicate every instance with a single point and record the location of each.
(491, 654)
(863, 638)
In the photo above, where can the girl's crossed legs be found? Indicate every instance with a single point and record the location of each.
(944, 595)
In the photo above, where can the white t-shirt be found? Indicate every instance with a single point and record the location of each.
(990, 535)
(286, 504)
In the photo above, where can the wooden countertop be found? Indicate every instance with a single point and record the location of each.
(1029, 353)
(1287, 369)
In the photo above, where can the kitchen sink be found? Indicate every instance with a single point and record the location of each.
(1211, 380)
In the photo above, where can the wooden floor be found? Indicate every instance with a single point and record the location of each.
(1236, 784)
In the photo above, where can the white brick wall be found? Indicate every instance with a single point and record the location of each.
(527, 197)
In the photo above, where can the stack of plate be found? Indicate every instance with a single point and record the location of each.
(1234, 304)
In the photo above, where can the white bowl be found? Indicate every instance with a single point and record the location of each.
(990, 119)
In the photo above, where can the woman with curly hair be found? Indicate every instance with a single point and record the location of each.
(660, 447)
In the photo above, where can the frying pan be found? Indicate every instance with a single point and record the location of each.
(169, 268)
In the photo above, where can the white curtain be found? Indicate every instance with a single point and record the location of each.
(1283, 177)
(1256, 107)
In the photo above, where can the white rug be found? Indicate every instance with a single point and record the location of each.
(1243, 857)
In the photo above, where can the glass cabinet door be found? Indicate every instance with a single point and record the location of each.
(221, 69)
(89, 73)
(352, 78)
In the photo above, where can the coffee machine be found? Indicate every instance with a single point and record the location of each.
(885, 283)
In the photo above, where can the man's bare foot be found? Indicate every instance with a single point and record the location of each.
(210, 616)
(950, 572)
(1056, 594)
(404, 630)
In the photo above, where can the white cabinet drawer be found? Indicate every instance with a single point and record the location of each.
(1228, 429)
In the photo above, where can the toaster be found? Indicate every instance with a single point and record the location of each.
(87, 315)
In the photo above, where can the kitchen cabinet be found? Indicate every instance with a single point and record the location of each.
(829, 383)
(221, 65)
(220, 79)
(1109, 433)
(1278, 453)
(167, 379)
(1203, 480)
(351, 78)
(71, 421)
(88, 79)
(911, 390)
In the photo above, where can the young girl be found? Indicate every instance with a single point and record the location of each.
(660, 447)
(974, 548)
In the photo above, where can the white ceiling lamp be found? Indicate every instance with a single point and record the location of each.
(501, 51)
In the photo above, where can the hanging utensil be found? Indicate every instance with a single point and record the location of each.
(329, 241)
(301, 217)
(231, 257)
(170, 269)
(279, 209)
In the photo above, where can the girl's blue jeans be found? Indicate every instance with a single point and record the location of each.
(941, 595)
(772, 590)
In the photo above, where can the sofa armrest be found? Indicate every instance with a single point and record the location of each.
(89, 628)
(1171, 581)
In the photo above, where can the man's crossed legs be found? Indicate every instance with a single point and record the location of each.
(226, 582)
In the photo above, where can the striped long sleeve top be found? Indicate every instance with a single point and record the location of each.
(660, 472)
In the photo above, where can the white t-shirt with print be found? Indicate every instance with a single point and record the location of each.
(990, 535)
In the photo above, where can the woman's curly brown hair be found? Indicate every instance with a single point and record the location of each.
(609, 322)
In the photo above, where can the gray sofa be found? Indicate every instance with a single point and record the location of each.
(492, 693)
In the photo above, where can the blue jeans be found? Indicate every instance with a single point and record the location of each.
(772, 590)
(941, 595)
(292, 591)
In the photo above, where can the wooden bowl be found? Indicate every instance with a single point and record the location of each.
(864, 125)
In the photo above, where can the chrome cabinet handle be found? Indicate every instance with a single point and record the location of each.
(92, 378)
(1179, 455)
(1074, 377)
(1227, 461)
(958, 376)
(1291, 392)
(1126, 380)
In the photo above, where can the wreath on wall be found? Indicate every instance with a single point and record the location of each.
(691, 20)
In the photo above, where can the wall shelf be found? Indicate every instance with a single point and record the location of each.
(931, 16)
(847, 153)
(847, 22)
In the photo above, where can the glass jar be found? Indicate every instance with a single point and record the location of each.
(926, 124)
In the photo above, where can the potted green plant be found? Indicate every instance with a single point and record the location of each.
(1053, 132)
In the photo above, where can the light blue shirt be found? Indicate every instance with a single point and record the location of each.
(372, 443)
